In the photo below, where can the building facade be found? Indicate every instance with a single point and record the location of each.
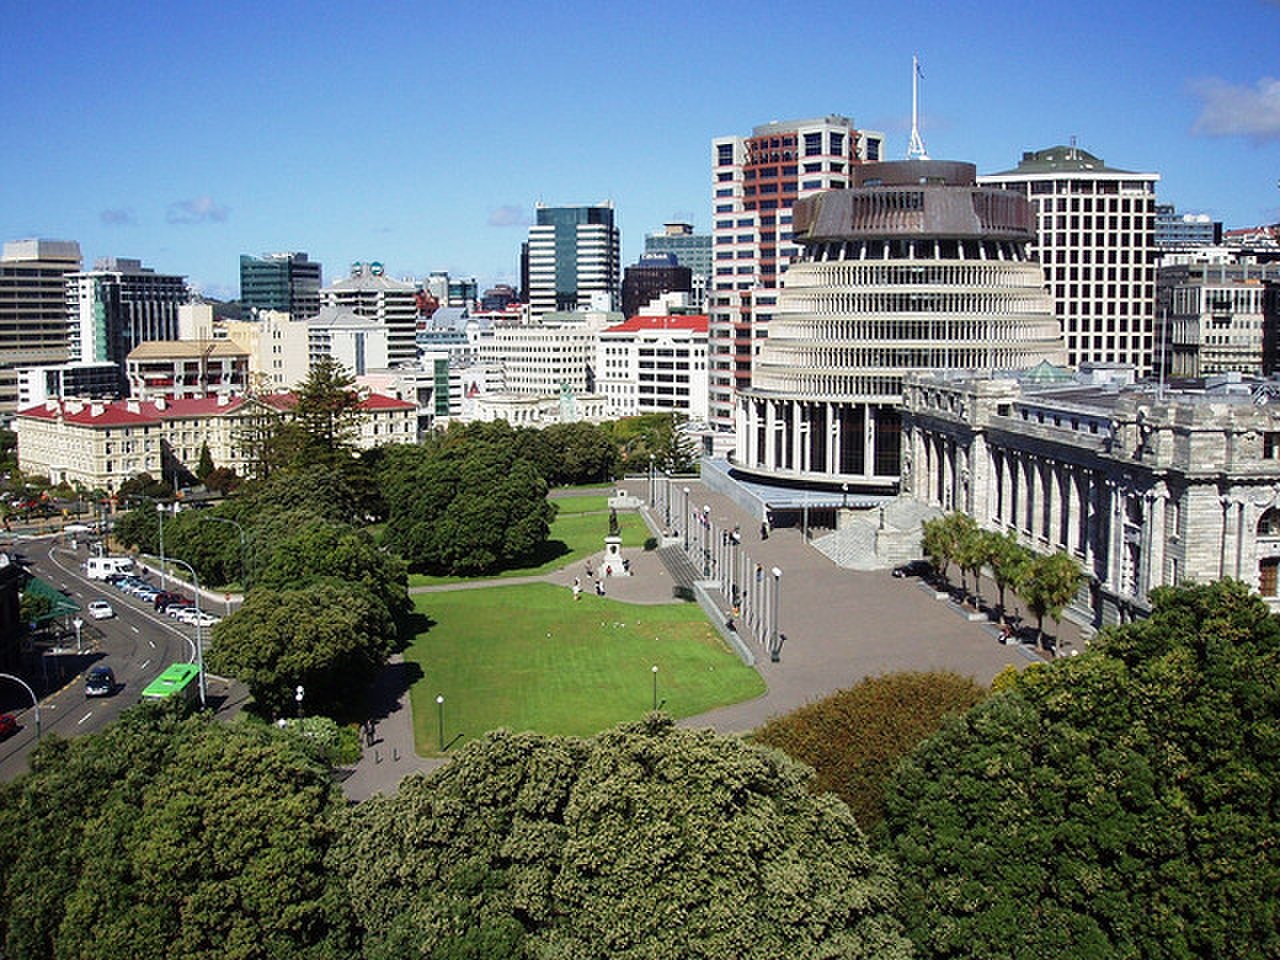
(1145, 486)
(1095, 237)
(574, 259)
(33, 310)
(914, 268)
(96, 381)
(283, 282)
(358, 343)
(119, 305)
(654, 365)
(1184, 231)
(651, 277)
(187, 369)
(1214, 318)
(544, 358)
(755, 182)
(368, 292)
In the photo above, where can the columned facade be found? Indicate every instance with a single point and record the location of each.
(1143, 489)
(914, 269)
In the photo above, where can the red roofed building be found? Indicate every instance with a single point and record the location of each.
(101, 445)
(654, 365)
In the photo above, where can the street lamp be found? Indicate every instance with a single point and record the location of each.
(651, 481)
(240, 529)
(685, 522)
(706, 539)
(35, 702)
(298, 694)
(666, 499)
(160, 520)
(844, 496)
(440, 712)
(775, 648)
(655, 686)
(79, 625)
(199, 628)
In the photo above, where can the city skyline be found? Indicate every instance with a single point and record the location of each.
(187, 137)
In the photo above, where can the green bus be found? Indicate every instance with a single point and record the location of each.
(180, 680)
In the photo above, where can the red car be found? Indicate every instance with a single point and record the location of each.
(8, 725)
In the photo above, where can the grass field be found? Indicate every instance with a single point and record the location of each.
(528, 657)
(577, 532)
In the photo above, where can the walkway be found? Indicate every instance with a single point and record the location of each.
(841, 626)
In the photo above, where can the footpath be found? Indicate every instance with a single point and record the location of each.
(841, 626)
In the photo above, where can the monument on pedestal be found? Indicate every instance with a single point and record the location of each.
(613, 564)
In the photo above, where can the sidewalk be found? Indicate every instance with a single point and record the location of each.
(841, 627)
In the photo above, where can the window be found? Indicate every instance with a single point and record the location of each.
(812, 144)
(724, 154)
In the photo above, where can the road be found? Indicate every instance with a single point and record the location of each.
(137, 643)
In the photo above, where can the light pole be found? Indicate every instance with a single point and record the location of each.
(651, 481)
(685, 521)
(298, 694)
(440, 713)
(35, 702)
(706, 539)
(199, 628)
(844, 496)
(79, 625)
(160, 520)
(775, 649)
(666, 499)
(655, 686)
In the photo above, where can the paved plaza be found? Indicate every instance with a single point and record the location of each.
(840, 625)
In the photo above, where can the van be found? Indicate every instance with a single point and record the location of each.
(99, 568)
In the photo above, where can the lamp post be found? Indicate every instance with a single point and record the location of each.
(651, 481)
(199, 628)
(666, 499)
(706, 539)
(844, 496)
(160, 520)
(685, 522)
(35, 702)
(440, 714)
(298, 693)
(79, 625)
(655, 686)
(775, 649)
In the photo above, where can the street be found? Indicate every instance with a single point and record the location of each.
(137, 643)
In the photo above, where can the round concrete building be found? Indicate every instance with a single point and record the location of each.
(915, 268)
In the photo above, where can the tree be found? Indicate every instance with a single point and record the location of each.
(205, 466)
(940, 539)
(854, 738)
(172, 836)
(574, 453)
(330, 638)
(1007, 560)
(328, 411)
(1049, 582)
(1122, 803)
(969, 551)
(645, 841)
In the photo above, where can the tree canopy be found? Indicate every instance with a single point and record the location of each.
(855, 738)
(1121, 803)
(166, 836)
(645, 841)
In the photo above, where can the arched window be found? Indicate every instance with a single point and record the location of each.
(1269, 523)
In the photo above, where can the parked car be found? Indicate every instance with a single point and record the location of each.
(100, 681)
(913, 568)
(101, 610)
(166, 597)
(8, 725)
(178, 607)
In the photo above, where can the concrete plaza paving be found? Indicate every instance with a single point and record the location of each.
(841, 626)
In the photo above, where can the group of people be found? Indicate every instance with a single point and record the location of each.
(577, 585)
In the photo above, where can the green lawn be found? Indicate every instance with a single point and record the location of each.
(574, 535)
(528, 657)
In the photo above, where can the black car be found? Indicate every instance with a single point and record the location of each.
(100, 682)
(913, 568)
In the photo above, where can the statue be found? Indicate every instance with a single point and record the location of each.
(613, 523)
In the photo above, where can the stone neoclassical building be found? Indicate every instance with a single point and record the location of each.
(1145, 485)
(914, 268)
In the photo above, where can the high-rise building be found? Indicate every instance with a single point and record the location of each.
(756, 180)
(692, 250)
(654, 364)
(368, 292)
(914, 268)
(1095, 238)
(574, 259)
(118, 305)
(654, 275)
(1185, 231)
(1214, 319)
(285, 282)
(33, 309)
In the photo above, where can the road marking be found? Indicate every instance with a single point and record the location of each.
(153, 644)
(84, 718)
(135, 629)
(143, 665)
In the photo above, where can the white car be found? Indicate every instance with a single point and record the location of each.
(101, 610)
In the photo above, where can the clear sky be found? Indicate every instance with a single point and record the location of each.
(422, 134)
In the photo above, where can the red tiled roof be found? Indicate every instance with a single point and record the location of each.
(119, 413)
(379, 401)
(697, 323)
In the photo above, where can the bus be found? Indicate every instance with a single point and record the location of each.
(179, 680)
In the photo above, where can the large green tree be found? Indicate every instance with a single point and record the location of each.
(1122, 803)
(645, 841)
(854, 738)
(166, 836)
(329, 637)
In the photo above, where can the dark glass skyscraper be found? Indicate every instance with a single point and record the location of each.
(288, 282)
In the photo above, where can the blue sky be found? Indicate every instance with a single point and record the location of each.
(422, 134)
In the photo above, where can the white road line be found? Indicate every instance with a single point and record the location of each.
(84, 718)
(153, 644)
(143, 664)
(134, 629)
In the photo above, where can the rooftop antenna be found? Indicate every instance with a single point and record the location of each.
(916, 150)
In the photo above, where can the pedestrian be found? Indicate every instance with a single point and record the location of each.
(764, 531)
(599, 588)
(577, 589)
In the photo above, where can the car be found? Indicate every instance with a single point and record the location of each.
(205, 620)
(177, 607)
(101, 610)
(100, 681)
(166, 597)
(913, 568)
(8, 725)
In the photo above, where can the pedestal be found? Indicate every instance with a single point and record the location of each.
(613, 565)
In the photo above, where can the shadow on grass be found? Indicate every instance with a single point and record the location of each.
(391, 688)
(409, 626)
